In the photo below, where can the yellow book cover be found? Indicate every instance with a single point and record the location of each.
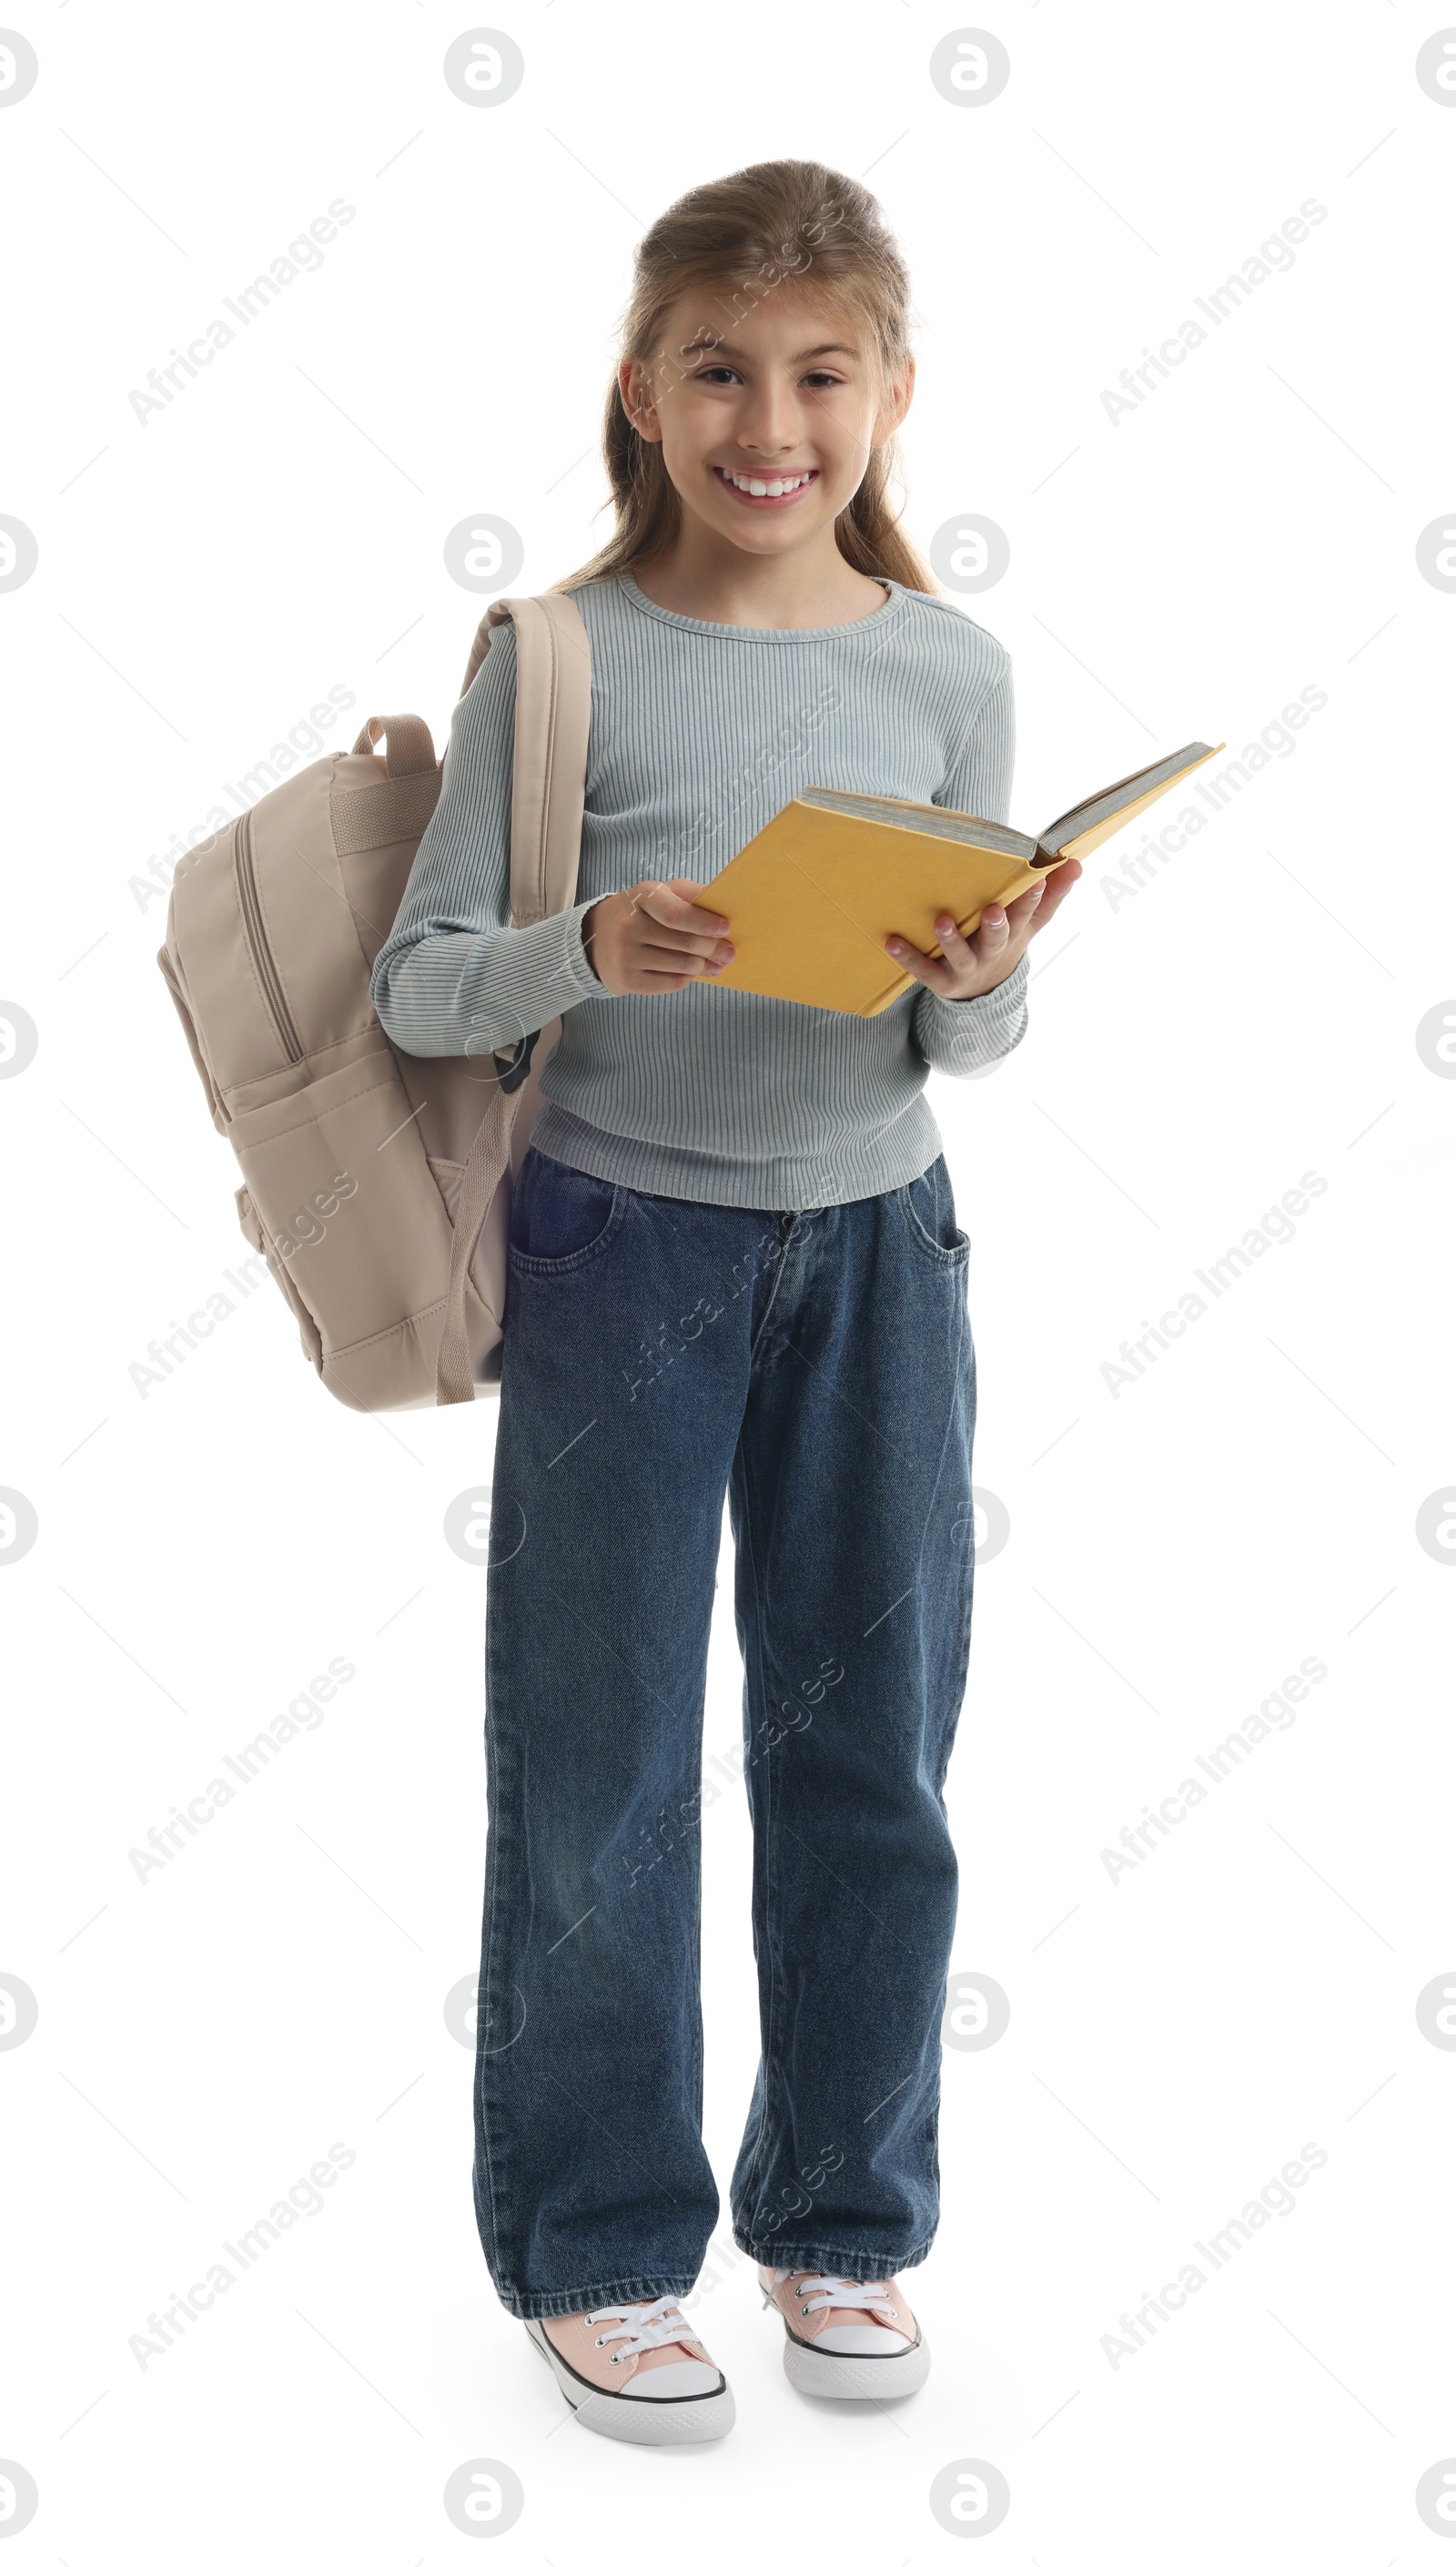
(810, 900)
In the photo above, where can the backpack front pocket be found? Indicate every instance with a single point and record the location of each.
(351, 1214)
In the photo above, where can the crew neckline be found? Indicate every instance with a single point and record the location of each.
(879, 616)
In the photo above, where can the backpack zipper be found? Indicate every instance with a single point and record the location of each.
(258, 944)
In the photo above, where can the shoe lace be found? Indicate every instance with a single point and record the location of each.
(830, 2293)
(645, 2327)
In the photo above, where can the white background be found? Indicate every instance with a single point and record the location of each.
(1175, 1551)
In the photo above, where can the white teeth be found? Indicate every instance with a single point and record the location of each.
(767, 490)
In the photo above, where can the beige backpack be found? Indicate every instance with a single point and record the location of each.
(377, 1185)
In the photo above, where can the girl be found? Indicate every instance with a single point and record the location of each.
(734, 1267)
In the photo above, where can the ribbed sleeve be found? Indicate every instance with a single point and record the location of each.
(455, 976)
(700, 733)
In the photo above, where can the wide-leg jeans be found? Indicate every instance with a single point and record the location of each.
(818, 1367)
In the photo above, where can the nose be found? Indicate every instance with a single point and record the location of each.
(770, 424)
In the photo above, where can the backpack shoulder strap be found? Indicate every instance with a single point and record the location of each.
(553, 717)
(549, 790)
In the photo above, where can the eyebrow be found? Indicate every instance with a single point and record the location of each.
(725, 348)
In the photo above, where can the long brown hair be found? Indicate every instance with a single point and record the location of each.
(735, 239)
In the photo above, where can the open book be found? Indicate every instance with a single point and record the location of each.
(810, 900)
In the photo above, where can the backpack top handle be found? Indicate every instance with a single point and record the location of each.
(409, 748)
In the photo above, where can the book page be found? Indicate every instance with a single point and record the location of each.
(958, 828)
(1144, 786)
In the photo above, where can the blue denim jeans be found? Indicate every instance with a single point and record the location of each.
(818, 1367)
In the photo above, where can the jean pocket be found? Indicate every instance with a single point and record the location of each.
(560, 1217)
(929, 1210)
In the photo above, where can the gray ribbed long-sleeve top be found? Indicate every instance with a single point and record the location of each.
(700, 733)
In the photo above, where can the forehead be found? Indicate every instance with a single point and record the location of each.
(768, 323)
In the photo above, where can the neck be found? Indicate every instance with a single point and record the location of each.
(716, 583)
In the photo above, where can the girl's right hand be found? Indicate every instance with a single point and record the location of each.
(650, 940)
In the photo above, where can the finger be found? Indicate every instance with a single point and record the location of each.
(1026, 904)
(672, 948)
(665, 902)
(933, 975)
(991, 933)
(1059, 883)
(1063, 880)
(684, 932)
(683, 944)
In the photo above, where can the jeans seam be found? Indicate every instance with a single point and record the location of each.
(761, 1330)
(947, 1258)
(770, 1939)
(483, 2001)
(961, 1660)
(826, 2255)
(583, 2298)
(949, 1261)
(963, 1322)
(576, 1257)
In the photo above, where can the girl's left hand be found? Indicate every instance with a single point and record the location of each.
(975, 964)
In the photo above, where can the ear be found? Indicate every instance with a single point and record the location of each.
(636, 387)
(895, 402)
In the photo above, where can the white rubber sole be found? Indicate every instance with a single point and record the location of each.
(870, 2375)
(635, 2420)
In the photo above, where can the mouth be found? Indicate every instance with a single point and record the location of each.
(766, 490)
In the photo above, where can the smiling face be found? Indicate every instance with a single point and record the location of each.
(767, 422)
